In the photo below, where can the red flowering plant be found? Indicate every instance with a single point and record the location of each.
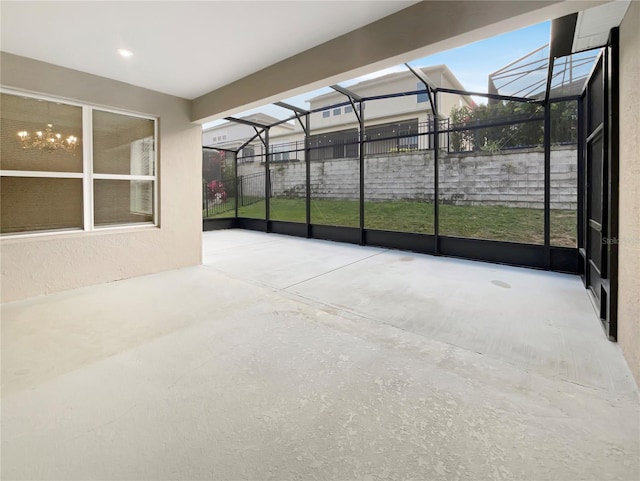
(217, 191)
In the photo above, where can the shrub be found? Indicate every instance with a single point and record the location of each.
(217, 191)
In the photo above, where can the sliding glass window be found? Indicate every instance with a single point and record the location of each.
(123, 169)
(52, 180)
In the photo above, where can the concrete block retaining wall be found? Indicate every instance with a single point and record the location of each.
(514, 179)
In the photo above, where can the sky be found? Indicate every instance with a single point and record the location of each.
(471, 64)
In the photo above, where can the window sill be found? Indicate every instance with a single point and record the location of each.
(7, 239)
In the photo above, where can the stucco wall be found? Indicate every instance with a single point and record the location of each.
(629, 246)
(514, 179)
(40, 265)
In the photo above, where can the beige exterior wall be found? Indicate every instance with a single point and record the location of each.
(44, 264)
(629, 247)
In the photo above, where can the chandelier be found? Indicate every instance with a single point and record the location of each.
(47, 140)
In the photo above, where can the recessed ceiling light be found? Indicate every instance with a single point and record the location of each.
(125, 53)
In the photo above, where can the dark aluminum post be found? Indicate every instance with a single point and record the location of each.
(436, 194)
(267, 181)
(613, 174)
(547, 185)
(235, 178)
(362, 239)
(307, 159)
(580, 208)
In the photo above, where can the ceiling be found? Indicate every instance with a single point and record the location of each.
(593, 25)
(180, 48)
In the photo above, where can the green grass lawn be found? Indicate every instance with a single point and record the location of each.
(481, 222)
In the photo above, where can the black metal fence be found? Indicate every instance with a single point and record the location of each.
(393, 138)
(250, 188)
(402, 138)
(218, 197)
(491, 134)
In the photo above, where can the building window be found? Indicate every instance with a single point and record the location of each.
(280, 152)
(348, 109)
(326, 114)
(248, 151)
(71, 167)
(392, 137)
(423, 97)
(334, 145)
(337, 111)
(123, 169)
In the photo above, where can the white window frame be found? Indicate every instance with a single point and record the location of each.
(280, 152)
(137, 150)
(87, 175)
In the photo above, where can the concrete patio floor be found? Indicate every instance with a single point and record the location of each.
(293, 359)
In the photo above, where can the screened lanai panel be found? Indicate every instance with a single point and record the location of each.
(570, 73)
(261, 130)
(491, 174)
(251, 178)
(524, 77)
(564, 174)
(398, 171)
(335, 177)
(288, 181)
(218, 184)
